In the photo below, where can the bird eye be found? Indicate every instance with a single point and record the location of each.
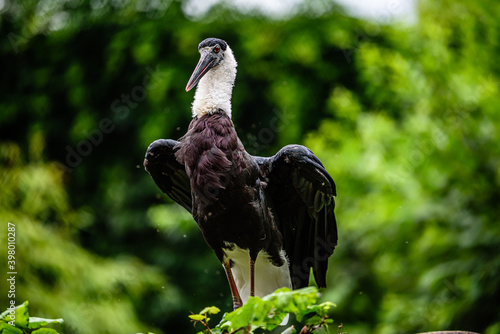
(217, 49)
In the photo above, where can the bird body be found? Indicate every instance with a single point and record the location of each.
(268, 220)
(224, 180)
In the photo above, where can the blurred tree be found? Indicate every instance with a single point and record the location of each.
(414, 150)
(60, 279)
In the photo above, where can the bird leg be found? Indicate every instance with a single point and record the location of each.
(252, 277)
(237, 302)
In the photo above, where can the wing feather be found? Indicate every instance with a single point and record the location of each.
(302, 195)
(169, 175)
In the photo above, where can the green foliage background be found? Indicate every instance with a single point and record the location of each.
(404, 116)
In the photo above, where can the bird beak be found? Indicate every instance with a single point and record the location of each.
(204, 65)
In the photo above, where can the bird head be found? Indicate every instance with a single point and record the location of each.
(215, 75)
(212, 53)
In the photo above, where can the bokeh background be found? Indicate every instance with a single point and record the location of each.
(402, 110)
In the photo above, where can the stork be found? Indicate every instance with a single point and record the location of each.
(268, 220)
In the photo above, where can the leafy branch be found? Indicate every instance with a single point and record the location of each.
(269, 312)
(18, 321)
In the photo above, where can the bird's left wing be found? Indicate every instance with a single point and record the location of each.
(302, 195)
(169, 175)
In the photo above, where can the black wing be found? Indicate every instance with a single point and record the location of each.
(302, 194)
(168, 174)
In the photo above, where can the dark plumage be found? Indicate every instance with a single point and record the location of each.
(211, 42)
(278, 209)
(226, 188)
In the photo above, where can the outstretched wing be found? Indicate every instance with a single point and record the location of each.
(168, 174)
(302, 195)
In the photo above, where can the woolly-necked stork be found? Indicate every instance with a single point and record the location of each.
(268, 220)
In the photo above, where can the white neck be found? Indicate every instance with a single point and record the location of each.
(216, 87)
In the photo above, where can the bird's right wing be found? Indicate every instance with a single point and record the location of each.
(169, 175)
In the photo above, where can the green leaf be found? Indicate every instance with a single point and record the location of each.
(36, 322)
(240, 317)
(210, 310)
(21, 314)
(315, 319)
(24, 321)
(197, 317)
(289, 330)
(45, 331)
(5, 328)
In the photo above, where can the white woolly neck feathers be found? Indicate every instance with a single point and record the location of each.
(214, 90)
